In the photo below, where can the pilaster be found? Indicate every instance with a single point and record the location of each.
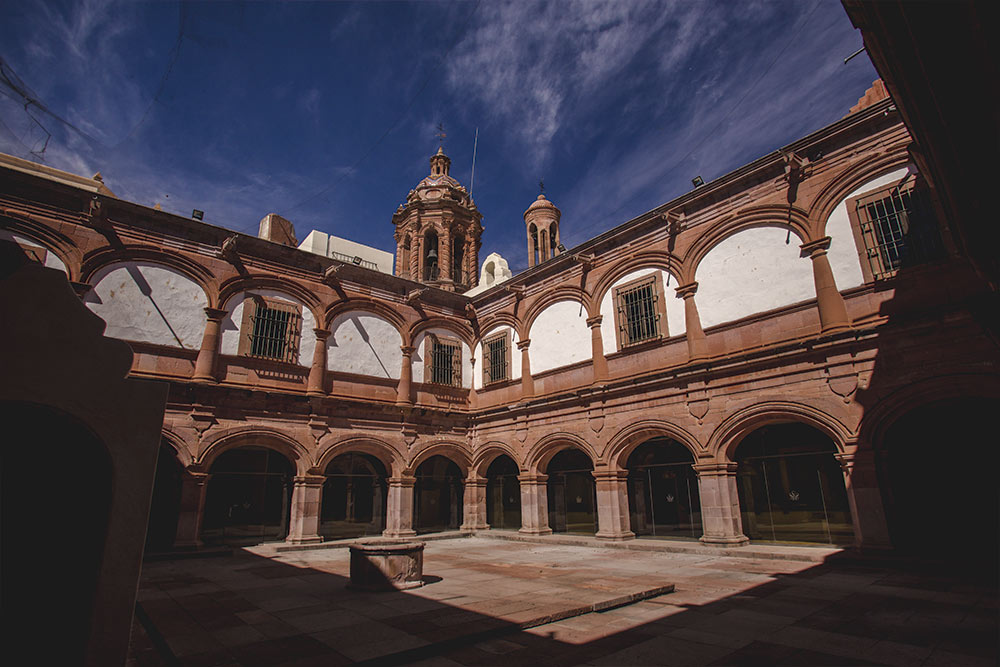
(317, 372)
(829, 302)
(612, 505)
(399, 513)
(307, 494)
(534, 505)
(720, 505)
(204, 366)
(697, 343)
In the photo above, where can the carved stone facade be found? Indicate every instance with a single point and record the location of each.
(761, 402)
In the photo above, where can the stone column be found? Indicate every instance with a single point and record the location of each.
(534, 505)
(612, 505)
(720, 505)
(474, 501)
(471, 264)
(531, 249)
(307, 494)
(399, 513)
(204, 366)
(597, 348)
(871, 530)
(697, 343)
(527, 383)
(192, 510)
(317, 372)
(399, 256)
(416, 261)
(543, 245)
(829, 302)
(403, 390)
(444, 255)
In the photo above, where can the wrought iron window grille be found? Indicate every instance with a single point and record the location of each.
(640, 313)
(496, 353)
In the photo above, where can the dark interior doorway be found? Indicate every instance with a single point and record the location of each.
(572, 493)
(663, 495)
(164, 509)
(249, 496)
(354, 497)
(437, 496)
(503, 494)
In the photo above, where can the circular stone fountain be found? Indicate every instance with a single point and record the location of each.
(387, 565)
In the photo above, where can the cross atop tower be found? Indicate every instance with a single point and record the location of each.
(440, 134)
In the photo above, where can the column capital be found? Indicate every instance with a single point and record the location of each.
(215, 313)
(816, 248)
(309, 480)
(321, 334)
(610, 475)
(687, 291)
(523, 344)
(193, 476)
(714, 469)
(475, 481)
(402, 480)
(532, 478)
(595, 321)
(407, 350)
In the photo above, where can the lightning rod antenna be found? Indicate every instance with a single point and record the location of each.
(472, 180)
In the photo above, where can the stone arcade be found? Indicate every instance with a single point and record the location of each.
(787, 353)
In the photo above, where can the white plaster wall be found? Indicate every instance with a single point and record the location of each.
(674, 306)
(751, 272)
(364, 344)
(231, 324)
(418, 356)
(843, 253)
(149, 303)
(559, 336)
(515, 356)
(51, 259)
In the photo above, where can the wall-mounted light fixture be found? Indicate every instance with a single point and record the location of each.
(698, 181)
(198, 215)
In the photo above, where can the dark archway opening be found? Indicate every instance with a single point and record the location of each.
(164, 510)
(437, 496)
(354, 497)
(48, 589)
(503, 494)
(663, 495)
(248, 498)
(937, 472)
(791, 487)
(572, 493)
(431, 257)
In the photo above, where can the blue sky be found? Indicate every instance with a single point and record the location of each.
(326, 112)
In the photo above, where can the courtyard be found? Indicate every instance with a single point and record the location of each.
(565, 601)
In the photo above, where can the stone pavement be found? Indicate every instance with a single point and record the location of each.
(291, 608)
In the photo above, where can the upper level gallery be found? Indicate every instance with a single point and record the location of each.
(801, 244)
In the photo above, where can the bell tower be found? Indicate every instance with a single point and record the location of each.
(542, 223)
(438, 231)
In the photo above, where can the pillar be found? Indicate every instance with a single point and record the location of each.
(720, 505)
(204, 366)
(527, 383)
(597, 348)
(399, 513)
(612, 505)
(871, 530)
(543, 245)
(415, 258)
(829, 302)
(307, 493)
(403, 391)
(697, 343)
(474, 502)
(317, 372)
(531, 249)
(444, 255)
(534, 505)
(192, 510)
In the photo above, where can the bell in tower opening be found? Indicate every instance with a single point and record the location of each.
(438, 231)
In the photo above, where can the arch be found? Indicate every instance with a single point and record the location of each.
(94, 261)
(368, 305)
(849, 180)
(783, 217)
(234, 286)
(924, 391)
(727, 436)
(254, 436)
(177, 443)
(488, 452)
(461, 330)
(495, 320)
(623, 443)
(541, 452)
(548, 298)
(651, 259)
(453, 451)
(30, 226)
(380, 449)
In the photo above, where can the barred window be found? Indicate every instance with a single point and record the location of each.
(893, 228)
(271, 329)
(640, 314)
(496, 358)
(443, 361)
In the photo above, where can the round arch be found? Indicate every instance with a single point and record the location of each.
(234, 286)
(330, 448)
(782, 217)
(497, 320)
(26, 224)
(176, 443)
(664, 261)
(462, 331)
(103, 258)
(849, 180)
(488, 453)
(453, 451)
(255, 436)
(623, 443)
(727, 436)
(548, 298)
(371, 306)
(541, 452)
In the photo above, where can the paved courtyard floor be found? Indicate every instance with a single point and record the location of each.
(494, 602)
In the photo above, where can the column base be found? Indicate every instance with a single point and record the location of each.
(615, 537)
(203, 379)
(316, 393)
(469, 526)
(735, 541)
(399, 533)
(305, 539)
(535, 531)
(835, 328)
